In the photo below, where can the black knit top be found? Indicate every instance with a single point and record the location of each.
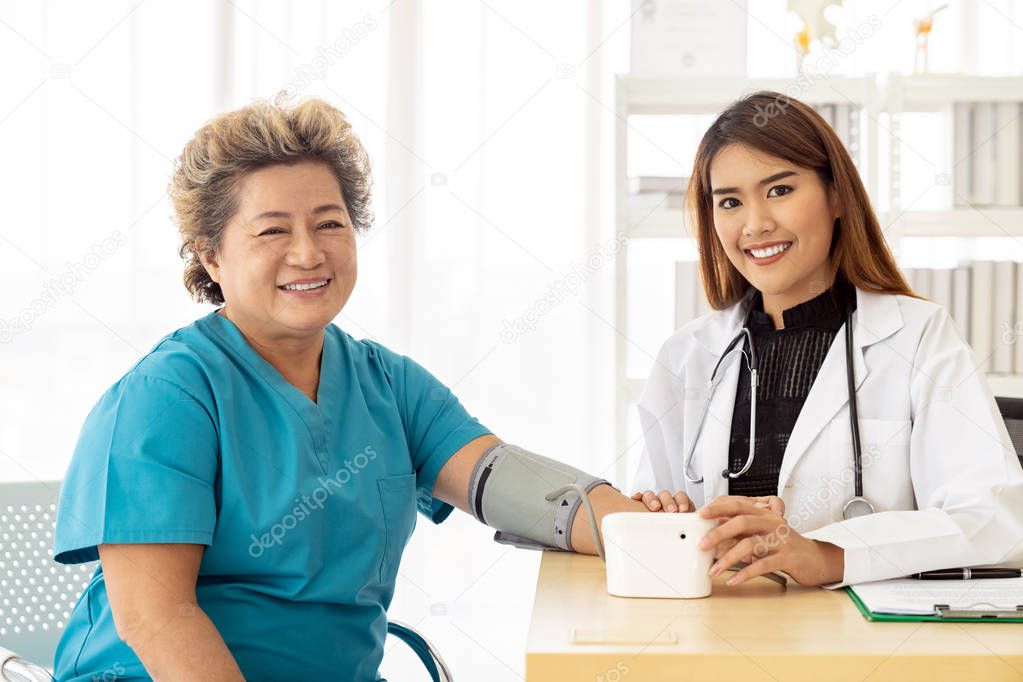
(788, 362)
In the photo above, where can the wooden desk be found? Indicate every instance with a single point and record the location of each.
(751, 632)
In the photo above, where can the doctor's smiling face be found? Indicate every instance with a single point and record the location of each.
(775, 222)
(287, 260)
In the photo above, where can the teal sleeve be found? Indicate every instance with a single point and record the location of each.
(143, 471)
(436, 426)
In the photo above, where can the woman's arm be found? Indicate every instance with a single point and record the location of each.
(758, 534)
(965, 474)
(151, 588)
(452, 486)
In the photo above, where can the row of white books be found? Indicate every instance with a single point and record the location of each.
(984, 299)
(986, 154)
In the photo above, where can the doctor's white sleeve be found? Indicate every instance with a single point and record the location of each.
(966, 476)
(661, 423)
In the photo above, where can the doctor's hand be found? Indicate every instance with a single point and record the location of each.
(762, 538)
(664, 501)
(771, 503)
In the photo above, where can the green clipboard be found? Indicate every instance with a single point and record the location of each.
(982, 616)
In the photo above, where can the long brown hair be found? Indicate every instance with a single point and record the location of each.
(780, 126)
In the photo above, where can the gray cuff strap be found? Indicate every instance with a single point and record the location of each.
(573, 509)
(478, 480)
(502, 538)
(508, 489)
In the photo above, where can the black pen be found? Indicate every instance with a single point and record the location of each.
(969, 573)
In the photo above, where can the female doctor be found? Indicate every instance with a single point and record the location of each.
(888, 453)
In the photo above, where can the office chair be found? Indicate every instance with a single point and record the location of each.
(1012, 414)
(37, 594)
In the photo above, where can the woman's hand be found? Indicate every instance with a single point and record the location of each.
(772, 503)
(680, 502)
(756, 534)
(664, 501)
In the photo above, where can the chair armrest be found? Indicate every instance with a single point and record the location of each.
(427, 653)
(14, 668)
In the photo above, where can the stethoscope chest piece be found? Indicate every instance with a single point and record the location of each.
(857, 506)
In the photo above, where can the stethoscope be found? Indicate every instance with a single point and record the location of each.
(858, 505)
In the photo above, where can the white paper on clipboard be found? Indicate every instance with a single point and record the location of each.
(910, 596)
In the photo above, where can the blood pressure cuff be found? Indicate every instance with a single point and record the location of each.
(508, 491)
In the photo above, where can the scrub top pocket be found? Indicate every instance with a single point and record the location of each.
(398, 501)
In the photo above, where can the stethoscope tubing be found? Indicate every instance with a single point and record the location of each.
(854, 422)
(744, 334)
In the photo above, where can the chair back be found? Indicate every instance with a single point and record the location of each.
(1012, 414)
(36, 593)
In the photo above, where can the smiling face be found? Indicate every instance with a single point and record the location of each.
(287, 261)
(775, 222)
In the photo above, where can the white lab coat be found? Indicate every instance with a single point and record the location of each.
(938, 464)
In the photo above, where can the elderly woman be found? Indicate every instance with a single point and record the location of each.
(249, 485)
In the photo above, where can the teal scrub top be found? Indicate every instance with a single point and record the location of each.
(304, 508)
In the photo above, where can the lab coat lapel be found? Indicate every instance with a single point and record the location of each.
(876, 318)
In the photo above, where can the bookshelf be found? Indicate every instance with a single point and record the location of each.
(874, 98)
(999, 213)
(906, 94)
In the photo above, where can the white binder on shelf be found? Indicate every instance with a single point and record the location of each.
(841, 126)
(1004, 312)
(962, 144)
(1007, 161)
(1017, 323)
(982, 158)
(982, 313)
(922, 277)
(961, 301)
(941, 288)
